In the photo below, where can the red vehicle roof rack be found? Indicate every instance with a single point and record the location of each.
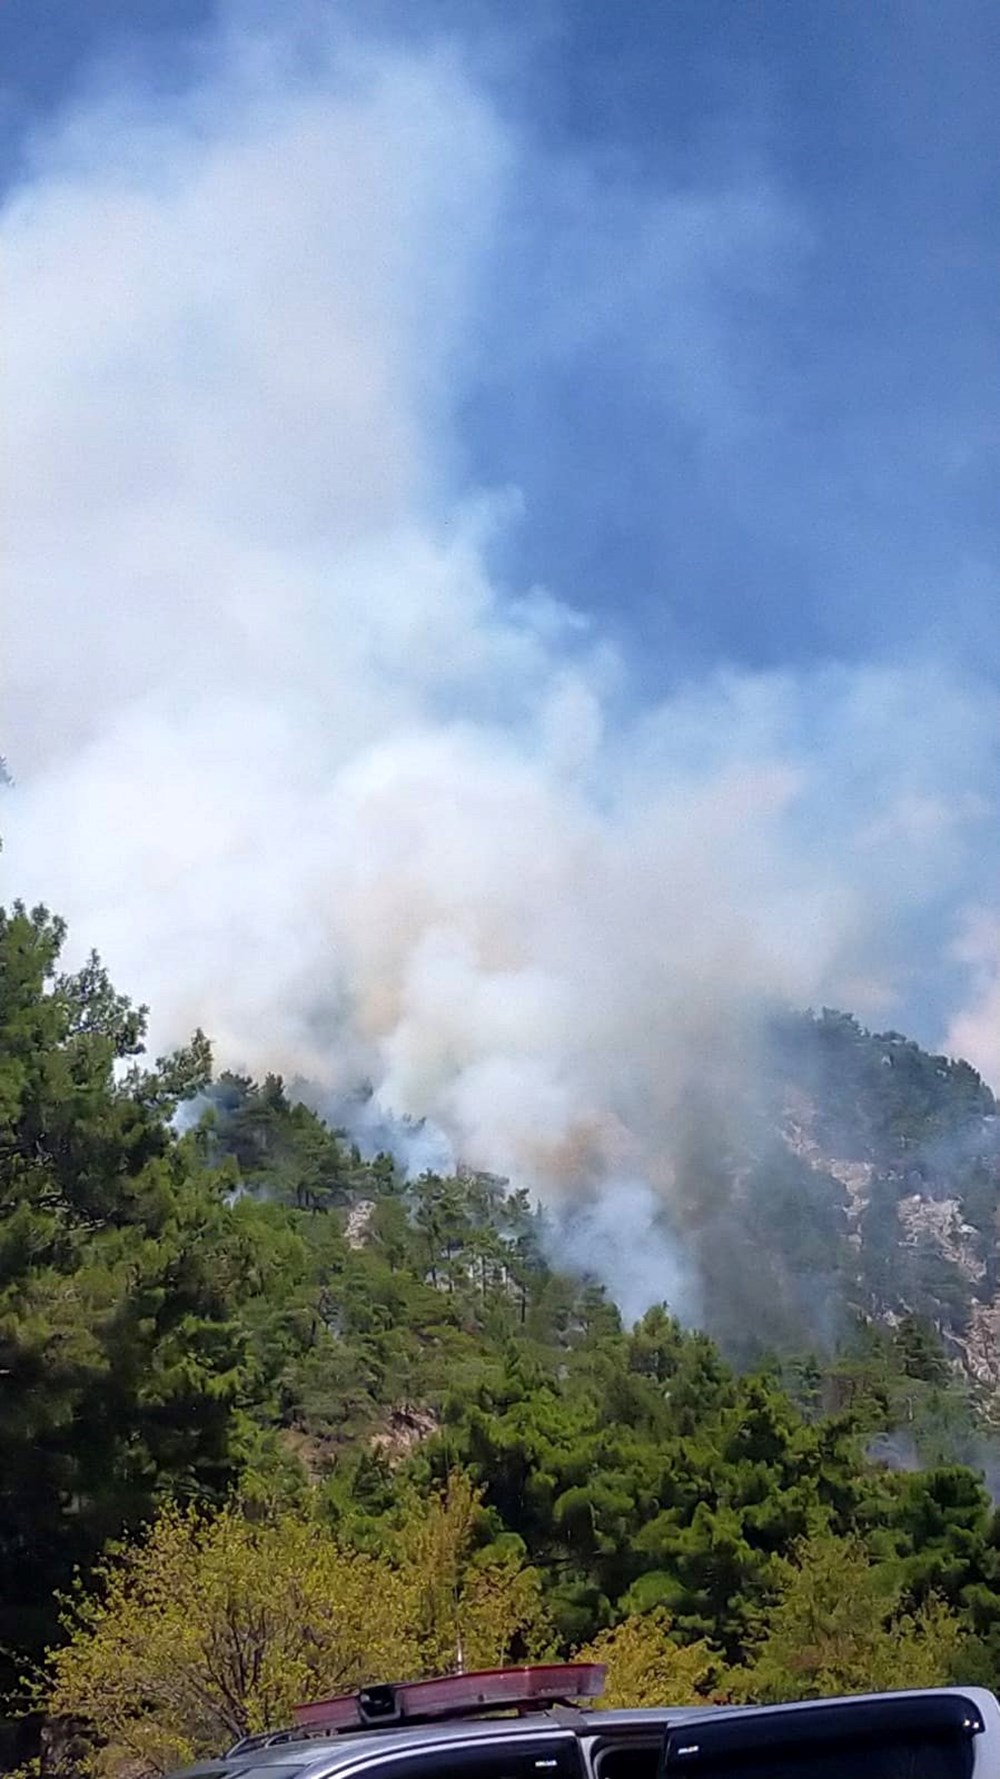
(456, 1695)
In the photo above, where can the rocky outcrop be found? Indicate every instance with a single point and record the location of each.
(854, 1176)
(979, 1347)
(358, 1220)
(939, 1221)
(408, 1427)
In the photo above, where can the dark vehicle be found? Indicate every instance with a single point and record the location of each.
(442, 1729)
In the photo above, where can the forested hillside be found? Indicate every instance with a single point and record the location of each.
(863, 1176)
(207, 1296)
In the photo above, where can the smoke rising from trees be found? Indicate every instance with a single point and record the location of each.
(286, 748)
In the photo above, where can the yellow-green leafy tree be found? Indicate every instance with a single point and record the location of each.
(474, 1602)
(646, 1667)
(210, 1628)
(839, 1628)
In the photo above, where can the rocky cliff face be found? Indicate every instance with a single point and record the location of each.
(867, 1185)
(907, 1146)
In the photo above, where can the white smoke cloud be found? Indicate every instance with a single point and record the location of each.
(285, 753)
(975, 1030)
(620, 1238)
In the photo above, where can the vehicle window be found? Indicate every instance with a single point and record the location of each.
(204, 1770)
(918, 1756)
(554, 1758)
(901, 1736)
(903, 1754)
(629, 1760)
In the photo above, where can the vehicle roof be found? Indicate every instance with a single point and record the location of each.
(327, 1754)
(312, 1755)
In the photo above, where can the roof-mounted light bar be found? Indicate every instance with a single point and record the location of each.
(457, 1695)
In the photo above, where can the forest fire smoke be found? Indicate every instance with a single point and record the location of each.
(294, 762)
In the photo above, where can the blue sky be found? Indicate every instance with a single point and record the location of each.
(854, 511)
(505, 537)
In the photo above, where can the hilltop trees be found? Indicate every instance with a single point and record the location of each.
(125, 1371)
(650, 1476)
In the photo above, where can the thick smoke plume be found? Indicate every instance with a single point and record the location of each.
(288, 754)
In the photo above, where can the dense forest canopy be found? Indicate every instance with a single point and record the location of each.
(218, 1319)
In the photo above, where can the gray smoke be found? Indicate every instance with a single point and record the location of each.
(896, 1450)
(622, 1237)
(291, 759)
(416, 1144)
